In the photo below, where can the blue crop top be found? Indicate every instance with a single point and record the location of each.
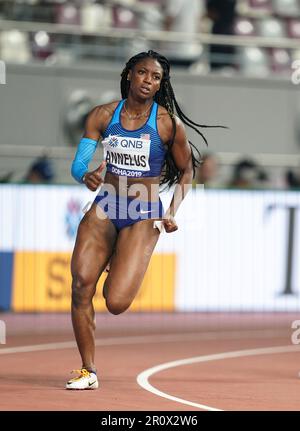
(133, 153)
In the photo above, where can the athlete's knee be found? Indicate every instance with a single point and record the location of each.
(83, 290)
(117, 306)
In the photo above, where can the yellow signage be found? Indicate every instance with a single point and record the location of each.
(42, 282)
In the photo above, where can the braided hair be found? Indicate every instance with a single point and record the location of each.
(165, 97)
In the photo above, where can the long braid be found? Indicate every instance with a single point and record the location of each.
(166, 98)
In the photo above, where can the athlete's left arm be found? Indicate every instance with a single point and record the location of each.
(182, 154)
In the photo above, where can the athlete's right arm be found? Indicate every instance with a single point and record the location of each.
(85, 151)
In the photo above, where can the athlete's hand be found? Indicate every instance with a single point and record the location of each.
(169, 223)
(94, 179)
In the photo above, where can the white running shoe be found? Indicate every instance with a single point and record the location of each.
(85, 380)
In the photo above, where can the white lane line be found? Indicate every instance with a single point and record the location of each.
(143, 378)
(145, 339)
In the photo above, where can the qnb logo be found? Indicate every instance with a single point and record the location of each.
(113, 141)
(2, 332)
(131, 143)
(296, 74)
(295, 338)
(2, 72)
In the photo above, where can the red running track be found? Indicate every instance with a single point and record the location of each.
(224, 362)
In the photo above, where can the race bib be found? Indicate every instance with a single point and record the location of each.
(128, 153)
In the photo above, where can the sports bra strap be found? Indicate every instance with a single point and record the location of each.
(116, 115)
(152, 118)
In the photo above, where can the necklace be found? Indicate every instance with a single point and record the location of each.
(134, 117)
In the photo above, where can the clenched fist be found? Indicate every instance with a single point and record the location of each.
(169, 223)
(94, 179)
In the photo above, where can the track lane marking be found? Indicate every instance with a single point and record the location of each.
(144, 339)
(143, 377)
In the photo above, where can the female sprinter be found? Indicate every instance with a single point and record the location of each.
(145, 145)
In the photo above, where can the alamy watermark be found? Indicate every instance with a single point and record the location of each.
(296, 74)
(2, 332)
(137, 201)
(295, 338)
(2, 72)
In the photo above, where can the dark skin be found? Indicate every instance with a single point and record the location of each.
(98, 242)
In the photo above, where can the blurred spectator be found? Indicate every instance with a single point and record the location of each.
(42, 45)
(15, 46)
(182, 16)
(149, 17)
(292, 179)
(94, 16)
(208, 172)
(41, 171)
(6, 178)
(222, 13)
(248, 174)
(67, 13)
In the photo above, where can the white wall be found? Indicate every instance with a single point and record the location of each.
(231, 246)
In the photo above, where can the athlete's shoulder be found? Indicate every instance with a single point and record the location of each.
(103, 113)
(165, 123)
(107, 109)
(161, 110)
(163, 113)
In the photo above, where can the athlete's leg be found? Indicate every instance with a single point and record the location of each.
(131, 258)
(94, 245)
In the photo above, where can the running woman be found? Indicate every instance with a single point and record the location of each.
(145, 146)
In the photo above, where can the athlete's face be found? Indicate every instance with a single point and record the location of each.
(145, 78)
